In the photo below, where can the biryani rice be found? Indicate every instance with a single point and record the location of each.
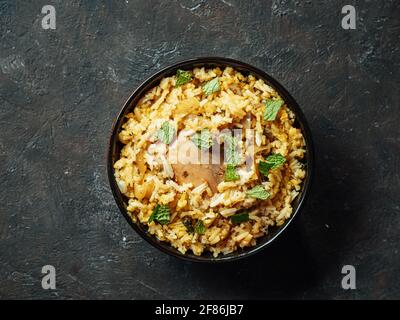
(145, 176)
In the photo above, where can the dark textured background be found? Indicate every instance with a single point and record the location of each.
(60, 91)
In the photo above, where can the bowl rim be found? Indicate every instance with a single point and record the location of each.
(185, 64)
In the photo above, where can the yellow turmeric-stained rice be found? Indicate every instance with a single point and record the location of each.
(222, 206)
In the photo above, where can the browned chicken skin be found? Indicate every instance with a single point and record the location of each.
(196, 171)
(198, 174)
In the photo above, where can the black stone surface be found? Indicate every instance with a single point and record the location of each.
(61, 89)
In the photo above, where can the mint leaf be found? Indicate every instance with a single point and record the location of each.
(161, 214)
(153, 214)
(211, 86)
(271, 109)
(258, 192)
(238, 218)
(166, 133)
(230, 173)
(199, 227)
(182, 77)
(202, 139)
(264, 168)
(276, 160)
(272, 162)
(230, 148)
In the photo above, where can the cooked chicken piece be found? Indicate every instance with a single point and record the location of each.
(195, 166)
(198, 174)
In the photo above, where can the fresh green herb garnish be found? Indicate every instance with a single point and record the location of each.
(182, 77)
(161, 214)
(199, 227)
(238, 218)
(272, 162)
(264, 168)
(258, 192)
(166, 133)
(230, 173)
(203, 139)
(211, 86)
(271, 109)
(231, 153)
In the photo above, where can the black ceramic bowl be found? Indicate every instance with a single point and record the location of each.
(115, 147)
